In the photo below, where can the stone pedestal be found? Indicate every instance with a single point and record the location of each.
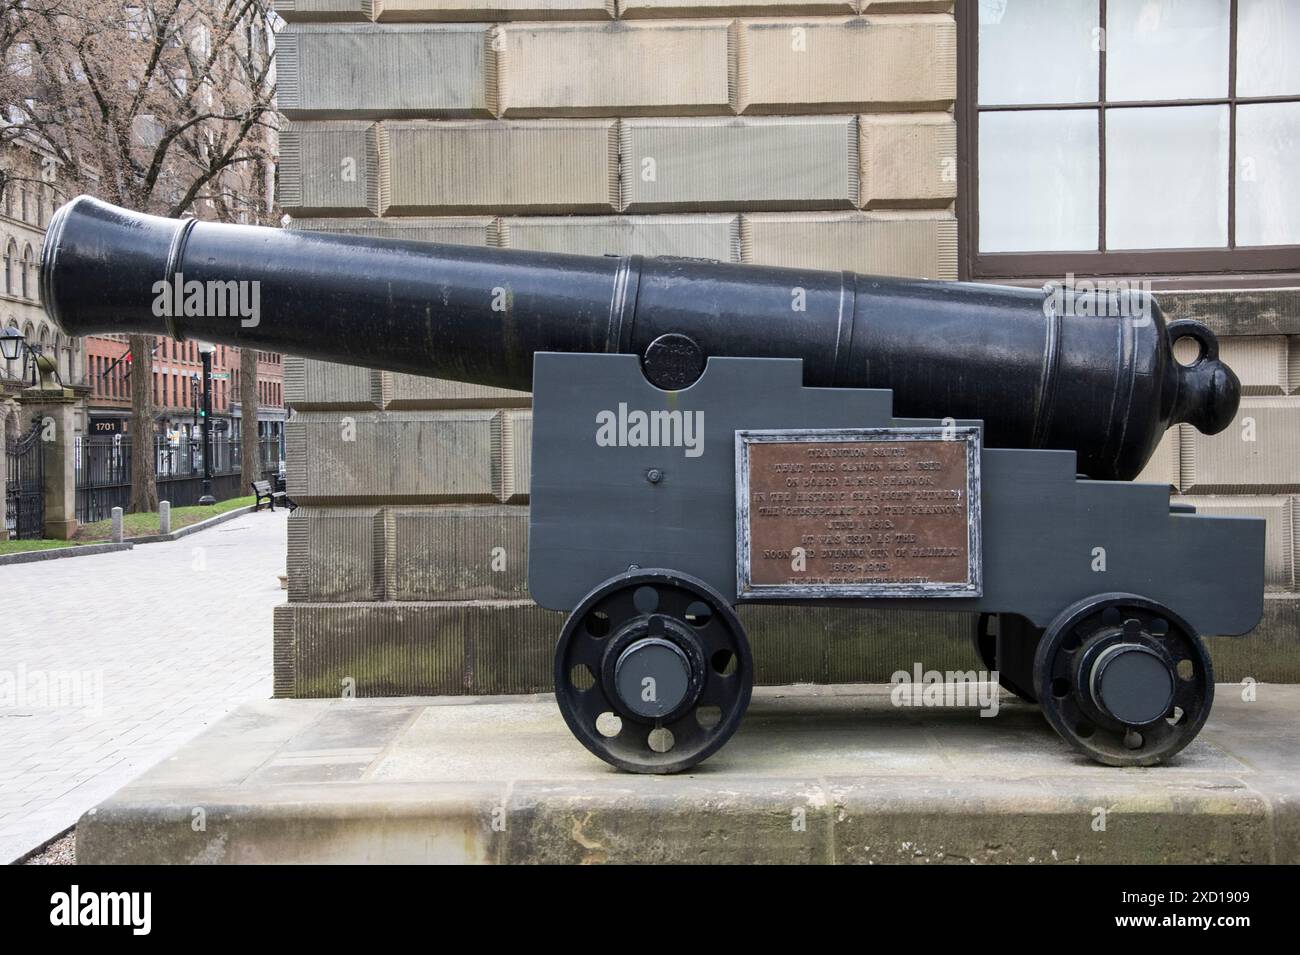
(56, 409)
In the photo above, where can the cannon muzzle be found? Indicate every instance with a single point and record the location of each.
(1043, 368)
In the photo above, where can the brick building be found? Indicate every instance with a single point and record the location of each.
(993, 141)
(177, 383)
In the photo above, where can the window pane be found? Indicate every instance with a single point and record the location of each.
(1167, 49)
(1038, 51)
(1038, 181)
(1268, 47)
(1268, 189)
(1167, 177)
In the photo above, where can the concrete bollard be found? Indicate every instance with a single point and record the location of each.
(117, 525)
(164, 517)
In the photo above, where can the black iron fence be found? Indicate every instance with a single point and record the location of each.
(25, 485)
(103, 468)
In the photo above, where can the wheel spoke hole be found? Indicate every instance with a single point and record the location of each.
(1186, 669)
(1133, 740)
(597, 624)
(646, 599)
(698, 614)
(1159, 626)
(660, 739)
(581, 678)
(723, 662)
(1071, 643)
(1060, 688)
(609, 724)
(1175, 716)
(708, 716)
(1084, 729)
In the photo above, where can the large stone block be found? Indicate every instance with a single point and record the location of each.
(1268, 654)
(336, 554)
(644, 9)
(506, 646)
(625, 69)
(331, 168)
(318, 11)
(1258, 453)
(492, 10)
(517, 463)
(1163, 468)
(705, 164)
(701, 237)
(846, 64)
(458, 553)
(413, 649)
(908, 160)
(415, 391)
(905, 6)
(310, 384)
(458, 230)
(468, 167)
(1274, 311)
(399, 456)
(1279, 538)
(1260, 361)
(917, 245)
(370, 70)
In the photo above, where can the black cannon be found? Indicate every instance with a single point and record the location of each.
(1038, 375)
(707, 434)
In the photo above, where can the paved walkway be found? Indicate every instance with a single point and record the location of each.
(109, 663)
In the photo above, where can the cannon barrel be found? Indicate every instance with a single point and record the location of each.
(1093, 373)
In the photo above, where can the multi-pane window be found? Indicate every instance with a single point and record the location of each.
(1131, 136)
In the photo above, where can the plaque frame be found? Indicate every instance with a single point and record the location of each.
(746, 589)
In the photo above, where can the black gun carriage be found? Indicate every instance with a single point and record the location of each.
(709, 434)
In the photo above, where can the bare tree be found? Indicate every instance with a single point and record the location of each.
(164, 106)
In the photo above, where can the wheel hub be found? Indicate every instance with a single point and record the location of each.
(652, 677)
(1132, 683)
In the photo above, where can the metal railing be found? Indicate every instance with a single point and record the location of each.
(103, 470)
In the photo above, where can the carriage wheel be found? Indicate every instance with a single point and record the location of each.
(984, 637)
(1124, 680)
(653, 671)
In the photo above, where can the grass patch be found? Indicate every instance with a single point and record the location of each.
(146, 524)
(21, 547)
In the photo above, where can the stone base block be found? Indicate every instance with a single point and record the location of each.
(815, 774)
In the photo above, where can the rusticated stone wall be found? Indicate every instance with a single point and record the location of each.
(791, 132)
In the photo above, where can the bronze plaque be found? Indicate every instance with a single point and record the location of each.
(879, 512)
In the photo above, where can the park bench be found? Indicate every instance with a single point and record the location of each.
(264, 492)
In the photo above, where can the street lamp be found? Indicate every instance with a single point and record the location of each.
(11, 343)
(205, 353)
(14, 346)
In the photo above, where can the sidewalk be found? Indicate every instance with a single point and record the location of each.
(815, 774)
(140, 650)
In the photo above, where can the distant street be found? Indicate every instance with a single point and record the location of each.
(108, 663)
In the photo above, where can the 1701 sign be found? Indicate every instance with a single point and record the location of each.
(879, 512)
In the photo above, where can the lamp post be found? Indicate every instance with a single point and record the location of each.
(205, 353)
(14, 345)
